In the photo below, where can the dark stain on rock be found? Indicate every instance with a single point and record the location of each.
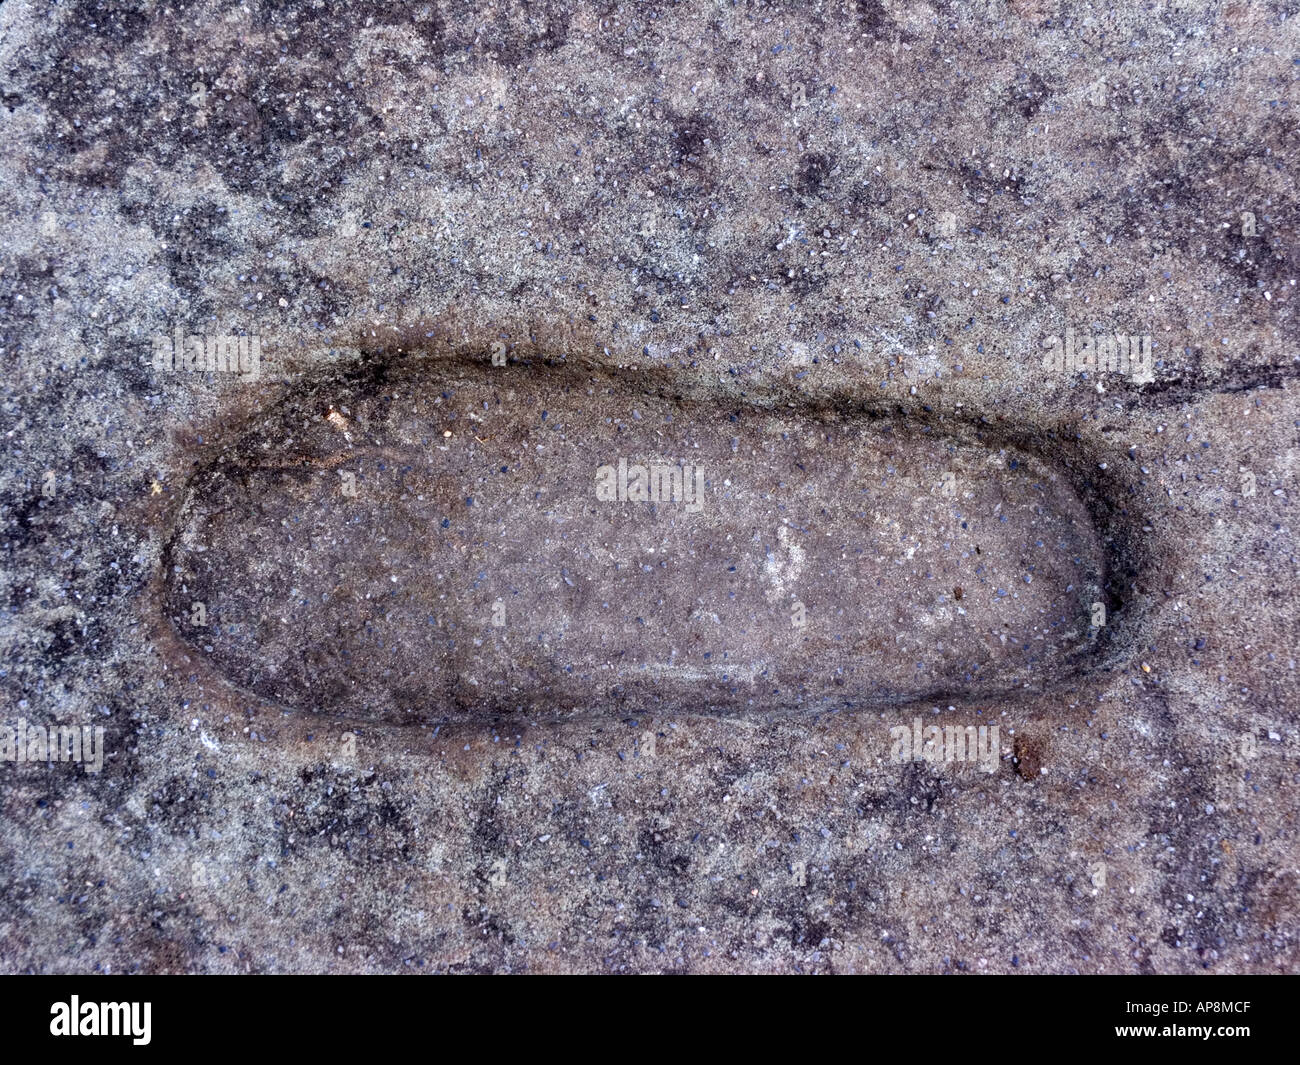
(814, 171)
(873, 20)
(1029, 93)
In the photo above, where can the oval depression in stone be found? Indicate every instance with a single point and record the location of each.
(448, 541)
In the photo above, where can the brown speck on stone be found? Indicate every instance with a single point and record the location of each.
(1030, 751)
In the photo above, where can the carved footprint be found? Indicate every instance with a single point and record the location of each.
(451, 541)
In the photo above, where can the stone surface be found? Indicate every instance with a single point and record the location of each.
(865, 207)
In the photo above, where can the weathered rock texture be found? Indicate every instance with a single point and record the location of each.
(802, 211)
